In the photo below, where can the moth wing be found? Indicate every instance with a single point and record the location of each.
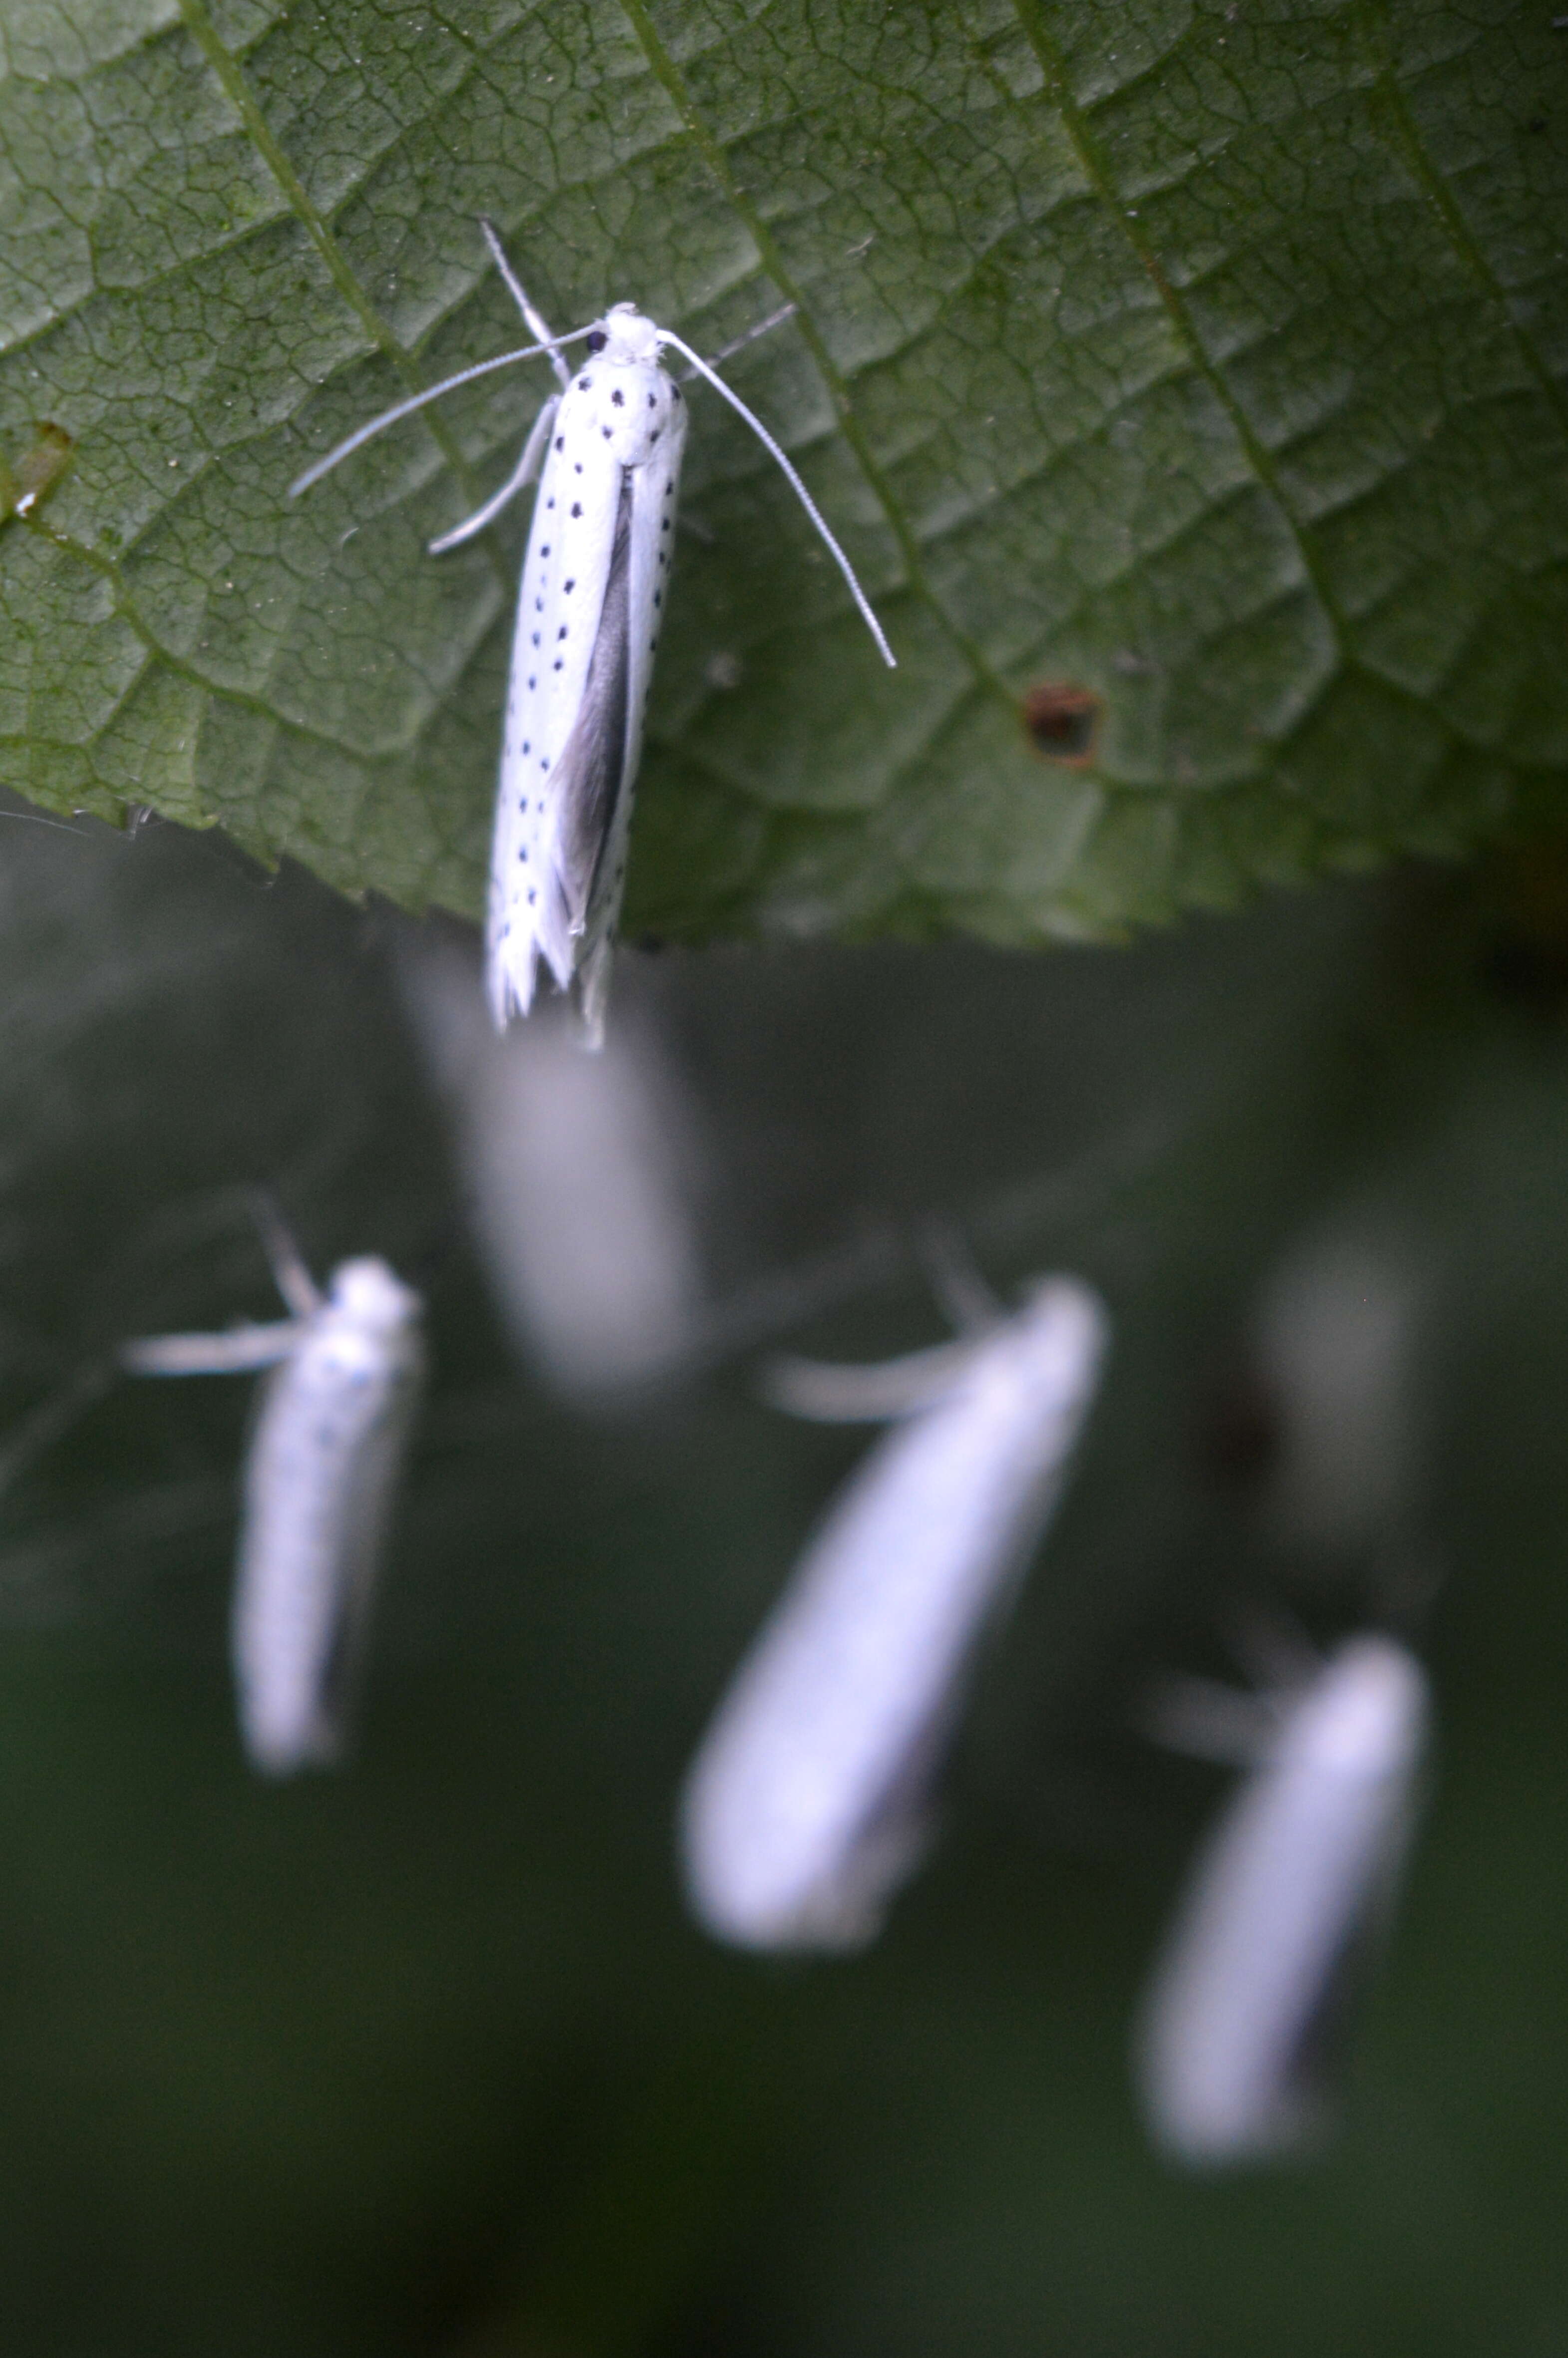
(652, 489)
(808, 1799)
(370, 1493)
(323, 1465)
(565, 579)
(1288, 1899)
(590, 774)
(655, 487)
(587, 624)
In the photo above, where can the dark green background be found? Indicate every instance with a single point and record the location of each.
(422, 2056)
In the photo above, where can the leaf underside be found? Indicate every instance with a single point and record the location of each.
(1194, 372)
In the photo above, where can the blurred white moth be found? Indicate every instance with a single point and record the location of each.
(324, 1459)
(1286, 1901)
(583, 1174)
(804, 1808)
(607, 451)
(1338, 1340)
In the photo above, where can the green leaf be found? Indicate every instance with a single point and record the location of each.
(1196, 368)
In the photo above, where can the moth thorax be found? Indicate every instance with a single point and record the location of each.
(367, 1292)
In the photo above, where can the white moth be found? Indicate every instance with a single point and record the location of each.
(1285, 1901)
(1337, 1339)
(607, 451)
(324, 1459)
(804, 1808)
(582, 1177)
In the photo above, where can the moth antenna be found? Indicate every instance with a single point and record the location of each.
(535, 320)
(750, 335)
(1206, 1720)
(956, 1278)
(291, 1273)
(363, 434)
(827, 1391)
(1273, 1645)
(667, 336)
(53, 1417)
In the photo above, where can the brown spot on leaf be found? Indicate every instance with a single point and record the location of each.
(1062, 721)
(25, 487)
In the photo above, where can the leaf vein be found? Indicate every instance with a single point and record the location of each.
(1401, 132)
(226, 66)
(127, 610)
(1087, 148)
(711, 150)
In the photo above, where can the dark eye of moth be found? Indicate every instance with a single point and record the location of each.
(597, 341)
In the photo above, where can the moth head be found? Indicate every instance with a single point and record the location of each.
(1065, 1319)
(1367, 1713)
(367, 1291)
(625, 335)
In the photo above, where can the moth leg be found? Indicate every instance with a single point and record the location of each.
(518, 293)
(237, 1353)
(827, 1393)
(522, 474)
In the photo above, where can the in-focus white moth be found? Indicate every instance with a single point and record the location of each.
(806, 1806)
(324, 1458)
(607, 450)
(1236, 2033)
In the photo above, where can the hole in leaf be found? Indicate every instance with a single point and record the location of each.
(1062, 721)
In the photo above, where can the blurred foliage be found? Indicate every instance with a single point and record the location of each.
(422, 2056)
(1191, 370)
